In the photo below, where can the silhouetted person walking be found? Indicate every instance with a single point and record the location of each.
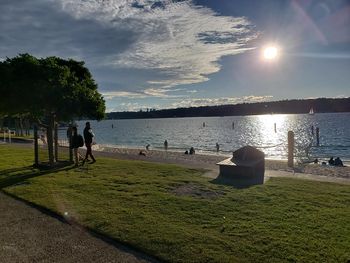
(88, 135)
(77, 141)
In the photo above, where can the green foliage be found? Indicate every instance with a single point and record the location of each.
(139, 203)
(46, 86)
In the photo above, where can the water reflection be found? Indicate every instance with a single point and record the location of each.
(258, 131)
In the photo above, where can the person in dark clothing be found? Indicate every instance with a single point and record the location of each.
(192, 151)
(77, 141)
(88, 135)
(331, 161)
(338, 162)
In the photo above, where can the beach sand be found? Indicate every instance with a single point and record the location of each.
(208, 162)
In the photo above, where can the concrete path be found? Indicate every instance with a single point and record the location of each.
(329, 179)
(28, 235)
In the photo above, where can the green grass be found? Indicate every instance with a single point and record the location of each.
(138, 203)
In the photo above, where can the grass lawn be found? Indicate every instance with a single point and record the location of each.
(177, 215)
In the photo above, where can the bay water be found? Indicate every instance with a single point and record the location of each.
(266, 132)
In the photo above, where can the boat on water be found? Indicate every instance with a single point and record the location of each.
(311, 112)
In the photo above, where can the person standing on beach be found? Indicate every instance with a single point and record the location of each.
(166, 145)
(217, 147)
(88, 135)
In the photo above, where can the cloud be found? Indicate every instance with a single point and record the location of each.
(133, 102)
(192, 91)
(197, 102)
(130, 106)
(181, 40)
(146, 47)
(108, 95)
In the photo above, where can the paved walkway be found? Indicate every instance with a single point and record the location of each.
(28, 235)
(276, 173)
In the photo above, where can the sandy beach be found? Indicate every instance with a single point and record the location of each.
(209, 162)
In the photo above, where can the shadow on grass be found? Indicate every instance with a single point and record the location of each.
(15, 176)
(18, 175)
(238, 182)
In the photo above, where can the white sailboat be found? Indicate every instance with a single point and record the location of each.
(311, 112)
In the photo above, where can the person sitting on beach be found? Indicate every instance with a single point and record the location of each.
(192, 151)
(142, 153)
(331, 161)
(186, 152)
(338, 162)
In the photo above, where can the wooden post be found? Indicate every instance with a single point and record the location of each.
(36, 151)
(290, 149)
(275, 126)
(318, 136)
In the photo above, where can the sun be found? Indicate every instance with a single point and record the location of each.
(270, 53)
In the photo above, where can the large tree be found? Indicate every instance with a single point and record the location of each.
(48, 90)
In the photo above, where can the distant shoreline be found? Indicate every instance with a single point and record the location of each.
(302, 106)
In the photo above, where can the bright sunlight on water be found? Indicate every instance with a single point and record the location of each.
(267, 132)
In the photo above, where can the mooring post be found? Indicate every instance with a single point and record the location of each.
(290, 149)
(275, 127)
(318, 136)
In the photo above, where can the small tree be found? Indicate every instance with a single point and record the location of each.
(49, 90)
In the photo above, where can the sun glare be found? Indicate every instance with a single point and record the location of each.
(270, 53)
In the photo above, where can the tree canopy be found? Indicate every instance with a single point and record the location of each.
(41, 87)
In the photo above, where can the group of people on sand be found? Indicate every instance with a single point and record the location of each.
(192, 151)
(78, 141)
(335, 162)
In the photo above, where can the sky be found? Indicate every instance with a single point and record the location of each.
(179, 53)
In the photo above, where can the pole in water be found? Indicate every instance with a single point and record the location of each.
(203, 124)
(317, 136)
(312, 130)
(275, 127)
(290, 149)
(233, 125)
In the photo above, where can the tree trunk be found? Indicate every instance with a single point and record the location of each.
(69, 135)
(27, 127)
(16, 127)
(56, 140)
(50, 140)
(21, 126)
(36, 152)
